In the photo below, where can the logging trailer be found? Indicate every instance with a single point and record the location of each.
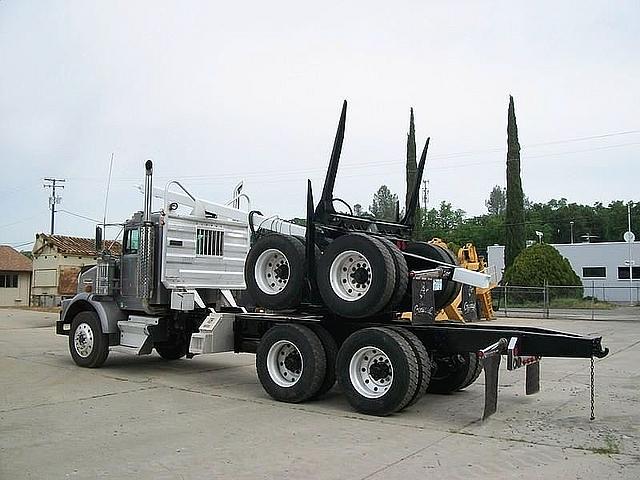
(316, 304)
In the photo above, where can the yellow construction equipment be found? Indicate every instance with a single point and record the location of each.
(468, 258)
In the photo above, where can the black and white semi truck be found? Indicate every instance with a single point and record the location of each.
(316, 304)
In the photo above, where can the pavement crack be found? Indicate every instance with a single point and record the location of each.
(304, 409)
(406, 457)
(80, 399)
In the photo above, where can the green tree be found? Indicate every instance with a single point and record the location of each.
(514, 213)
(497, 201)
(357, 210)
(441, 222)
(482, 231)
(384, 203)
(540, 264)
(412, 169)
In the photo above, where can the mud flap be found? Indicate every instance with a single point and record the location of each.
(490, 358)
(531, 362)
(533, 378)
(490, 365)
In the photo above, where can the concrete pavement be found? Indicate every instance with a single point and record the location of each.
(208, 417)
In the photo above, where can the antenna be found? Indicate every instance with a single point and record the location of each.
(106, 197)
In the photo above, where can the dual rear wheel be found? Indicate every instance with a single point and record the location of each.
(357, 275)
(381, 370)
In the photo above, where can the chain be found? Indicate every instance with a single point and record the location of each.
(593, 393)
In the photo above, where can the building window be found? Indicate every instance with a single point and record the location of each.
(209, 242)
(45, 278)
(623, 273)
(8, 281)
(594, 272)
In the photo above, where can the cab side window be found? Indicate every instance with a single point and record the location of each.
(131, 241)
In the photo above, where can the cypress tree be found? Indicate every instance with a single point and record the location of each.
(514, 216)
(412, 168)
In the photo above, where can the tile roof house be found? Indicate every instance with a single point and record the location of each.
(57, 262)
(15, 277)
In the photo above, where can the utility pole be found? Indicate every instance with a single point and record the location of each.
(52, 183)
(630, 237)
(425, 200)
(425, 193)
(571, 223)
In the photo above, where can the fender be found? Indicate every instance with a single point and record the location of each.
(105, 307)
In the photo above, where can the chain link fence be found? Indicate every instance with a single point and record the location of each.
(590, 301)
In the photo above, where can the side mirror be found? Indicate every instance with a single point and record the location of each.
(98, 239)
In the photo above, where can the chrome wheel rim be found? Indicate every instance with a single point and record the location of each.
(371, 372)
(272, 271)
(284, 363)
(350, 275)
(83, 340)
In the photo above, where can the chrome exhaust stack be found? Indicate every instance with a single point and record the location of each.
(147, 241)
(148, 188)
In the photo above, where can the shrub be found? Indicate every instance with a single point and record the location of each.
(539, 263)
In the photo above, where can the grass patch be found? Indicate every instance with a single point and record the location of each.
(567, 302)
(582, 303)
(611, 447)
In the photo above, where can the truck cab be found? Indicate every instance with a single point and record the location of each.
(176, 265)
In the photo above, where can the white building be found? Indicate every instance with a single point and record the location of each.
(15, 278)
(602, 267)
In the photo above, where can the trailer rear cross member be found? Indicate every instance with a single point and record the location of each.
(318, 304)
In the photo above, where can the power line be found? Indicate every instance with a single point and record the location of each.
(19, 221)
(289, 172)
(580, 139)
(79, 216)
(606, 147)
(16, 245)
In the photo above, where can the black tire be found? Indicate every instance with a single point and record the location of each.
(172, 350)
(450, 289)
(331, 353)
(264, 276)
(474, 373)
(375, 276)
(424, 363)
(307, 360)
(404, 367)
(90, 333)
(453, 372)
(454, 286)
(402, 272)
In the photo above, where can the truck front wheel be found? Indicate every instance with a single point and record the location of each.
(89, 347)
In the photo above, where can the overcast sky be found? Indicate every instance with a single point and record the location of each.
(214, 92)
